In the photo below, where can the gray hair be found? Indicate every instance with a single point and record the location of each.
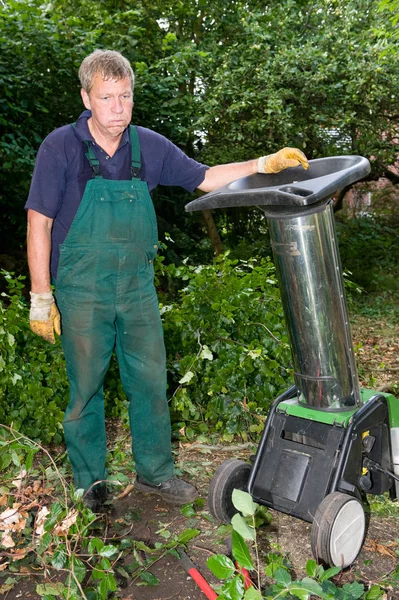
(108, 63)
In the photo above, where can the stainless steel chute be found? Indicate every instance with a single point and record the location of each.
(299, 210)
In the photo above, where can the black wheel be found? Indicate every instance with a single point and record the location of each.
(338, 530)
(232, 474)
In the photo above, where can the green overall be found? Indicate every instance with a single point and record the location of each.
(106, 296)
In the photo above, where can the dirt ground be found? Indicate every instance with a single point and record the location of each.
(143, 517)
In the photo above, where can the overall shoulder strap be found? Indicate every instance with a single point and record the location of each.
(91, 157)
(136, 156)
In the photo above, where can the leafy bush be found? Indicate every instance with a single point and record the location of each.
(227, 352)
(279, 583)
(227, 347)
(33, 382)
(369, 247)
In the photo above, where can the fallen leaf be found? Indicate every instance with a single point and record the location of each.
(19, 553)
(37, 486)
(7, 541)
(65, 525)
(374, 546)
(129, 488)
(40, 520)
(12, 520)
(18, 480)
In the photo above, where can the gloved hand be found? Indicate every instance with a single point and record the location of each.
(287, 157)
(44, 317)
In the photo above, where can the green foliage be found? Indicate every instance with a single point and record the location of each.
(227, 348)
(279, 584)
(46, 527)
(369, 248)
(225, 81)
(33, 382)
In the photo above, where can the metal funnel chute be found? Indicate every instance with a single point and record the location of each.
(301, 223)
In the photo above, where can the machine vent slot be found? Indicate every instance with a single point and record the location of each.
(301, 438)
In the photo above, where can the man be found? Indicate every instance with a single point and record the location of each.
(92, 232)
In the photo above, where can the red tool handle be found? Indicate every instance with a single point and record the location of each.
(202, 584)
(192, 570)
(246, 576)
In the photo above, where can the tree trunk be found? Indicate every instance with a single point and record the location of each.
(213, 233)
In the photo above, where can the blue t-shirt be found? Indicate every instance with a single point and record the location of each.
(62, 171)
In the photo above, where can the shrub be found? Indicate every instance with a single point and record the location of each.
(33, 383)
(227, 347)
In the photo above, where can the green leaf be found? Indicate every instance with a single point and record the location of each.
(282, 577)
(308, 586)
(328, 573)
(240, 551)
(108, 551)
(206, 353)
(149, 578)
(188, 510)
(187, 377)
(235, 588)
(95, 545)
(252, 594)
(374, 593)
(59, 559)
(187, 535)
(221, 566)
(241, 526)
(50, 589)
(243, 502)
(79, 569)
(355, 590)
(311, 568)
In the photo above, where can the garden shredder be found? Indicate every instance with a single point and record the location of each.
(326, 443)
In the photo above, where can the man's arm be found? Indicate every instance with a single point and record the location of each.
(44, 317)
(221, 175)
(39, 248)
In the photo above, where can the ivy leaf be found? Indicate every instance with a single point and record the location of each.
(241, 552)
(221, 566)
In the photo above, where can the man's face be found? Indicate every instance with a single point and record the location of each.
(111, 104)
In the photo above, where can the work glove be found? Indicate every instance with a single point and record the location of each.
(44, 317)
(287, 157)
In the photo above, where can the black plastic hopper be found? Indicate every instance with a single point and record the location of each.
(285, 192)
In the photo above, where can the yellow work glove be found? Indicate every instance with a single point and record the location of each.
(44, 317)
(287, 157)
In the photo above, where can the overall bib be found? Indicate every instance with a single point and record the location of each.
(106, 296)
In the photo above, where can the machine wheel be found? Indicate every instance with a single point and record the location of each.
(338, 530)
(230, 475)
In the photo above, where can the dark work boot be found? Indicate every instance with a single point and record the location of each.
(96, 497)
(174, 490)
